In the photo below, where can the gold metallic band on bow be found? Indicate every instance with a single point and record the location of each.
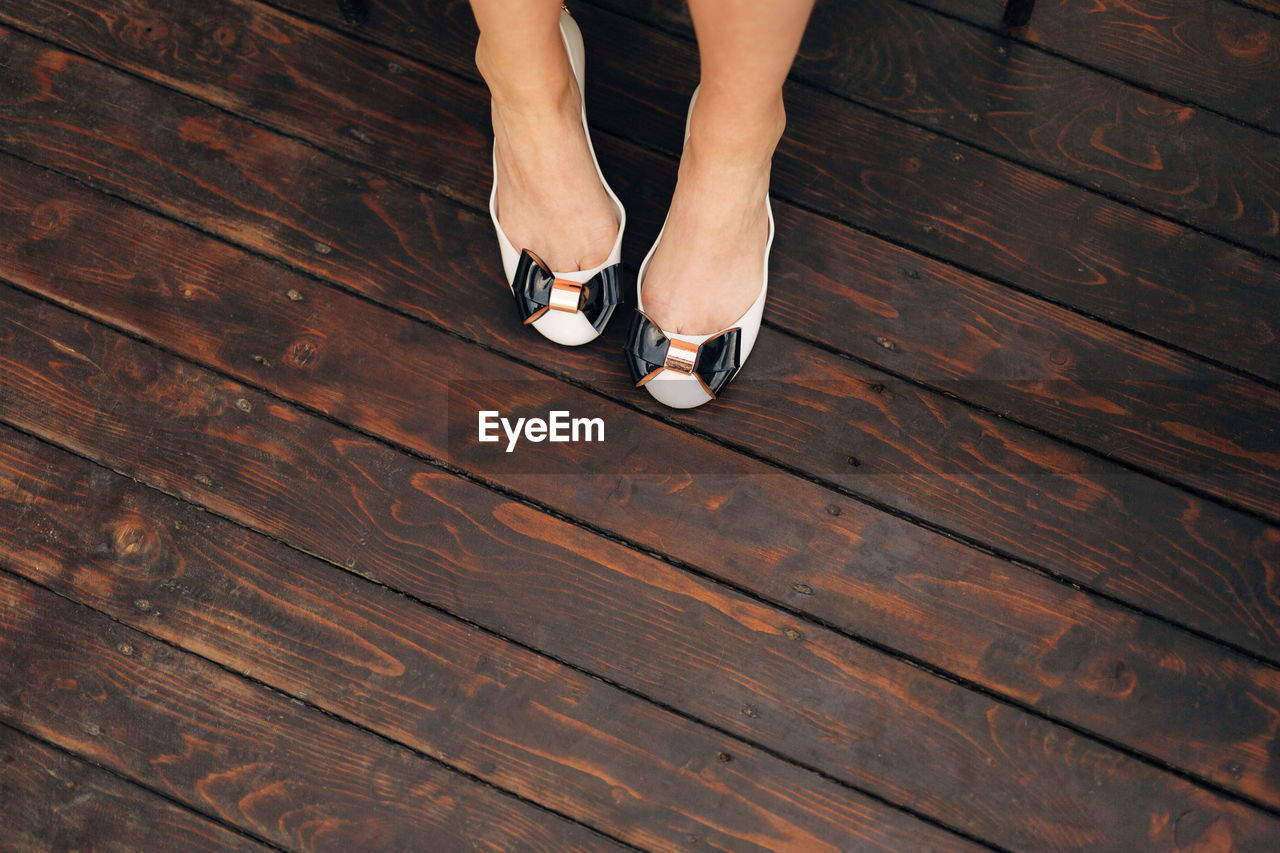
(713, 362)
(681, 356)
(565, 295)
(538, 291)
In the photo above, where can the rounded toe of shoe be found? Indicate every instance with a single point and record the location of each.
(566, 329)
(677, 390)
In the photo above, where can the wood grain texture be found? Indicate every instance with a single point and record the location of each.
(352, 361)
(1123, 398)
(952, 200)
(862, 716)
(1164, 550)
(1239, 461)
(194, 732)
(303, 350)
(899, 585)
(1069, 244)
(52, 802)
(373, 656)
(282, 70)
(1272, 6)
(1217, 55)
(386, 376)
(1014, 100)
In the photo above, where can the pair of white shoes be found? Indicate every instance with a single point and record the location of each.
(572, 308)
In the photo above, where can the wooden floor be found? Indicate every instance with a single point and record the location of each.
(981, 550)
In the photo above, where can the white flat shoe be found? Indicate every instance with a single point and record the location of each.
(684, 371)
(570, 308)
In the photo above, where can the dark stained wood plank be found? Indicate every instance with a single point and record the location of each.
(1165, 551)
(978, 86)
(1217, 55)
(318, 250)
(1128, 399)
(338, 336)
(863, 717)
(894, 583)
(374, 656)
(1000, 335)
(1272, 6)
(945, 198)
(912, 591)
(186, 728)
(279, 69)
(50, 801)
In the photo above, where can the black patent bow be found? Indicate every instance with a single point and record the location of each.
(538, 291)
(713, 362)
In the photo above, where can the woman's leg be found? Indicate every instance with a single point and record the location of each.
(549, 197)
(706, 272)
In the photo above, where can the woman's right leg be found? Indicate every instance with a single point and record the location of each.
(550, 199)
(706, 271)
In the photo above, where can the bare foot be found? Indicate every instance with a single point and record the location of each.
(709, 266)
(550, 199)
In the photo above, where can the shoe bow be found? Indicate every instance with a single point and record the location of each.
(538, 291)
(713, 362)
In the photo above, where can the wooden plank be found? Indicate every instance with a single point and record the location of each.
(862, 717)
(1272, 6)
(352, 335)
(1149, 544)
(281, 70)
(186, 728)
(1217, 55)
(1237, 461)
(341, 336)
(373, 656)
(1190, 165)
(947, 199)
(50, 801)
(1127, 399)
(922, 592)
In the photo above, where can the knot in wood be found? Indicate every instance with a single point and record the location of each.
(301, 353)
(48, 216)
(133, 541)
(137, 368)
(224, 36)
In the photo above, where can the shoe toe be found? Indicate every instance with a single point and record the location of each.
(677, 390)
(570, 330)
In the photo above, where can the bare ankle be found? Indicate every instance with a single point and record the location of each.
(737, 132)
(540, 85)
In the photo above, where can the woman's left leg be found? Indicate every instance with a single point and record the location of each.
(706, 272)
